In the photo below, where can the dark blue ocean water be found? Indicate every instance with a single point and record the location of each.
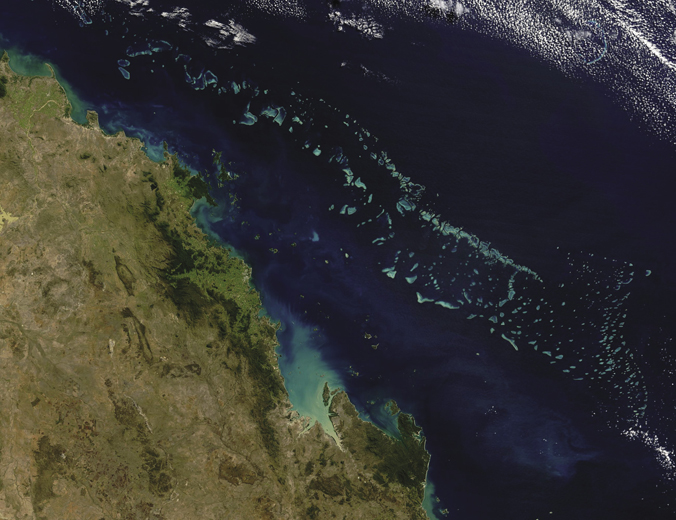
(546, 169)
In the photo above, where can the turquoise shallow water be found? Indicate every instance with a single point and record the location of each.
(303, 363)
(486, 145)
(304, 369)
(32, 65)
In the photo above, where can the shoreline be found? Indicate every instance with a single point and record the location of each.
(198, 210)
(181, 191)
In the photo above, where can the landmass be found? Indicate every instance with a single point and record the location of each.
(326, 394)
(392, 407)
(137, 380)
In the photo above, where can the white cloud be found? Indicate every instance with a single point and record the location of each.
(229, 34)
(180, 14)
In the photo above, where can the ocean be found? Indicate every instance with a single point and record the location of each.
(433, 215)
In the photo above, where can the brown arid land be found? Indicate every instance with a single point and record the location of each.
(137, 380)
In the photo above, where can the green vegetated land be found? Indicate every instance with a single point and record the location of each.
(139, 380)
(402, 460)
(203, 280)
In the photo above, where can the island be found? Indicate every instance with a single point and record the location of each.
(137, 378)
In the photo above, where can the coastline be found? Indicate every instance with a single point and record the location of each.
(175, 192)
(313, 409)
(489, 192)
